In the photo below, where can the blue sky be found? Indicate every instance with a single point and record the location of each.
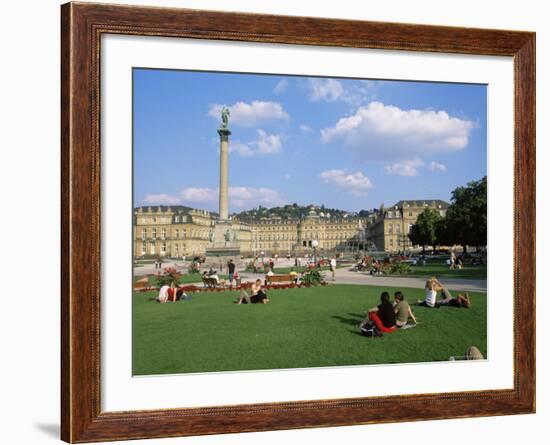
(346, 143)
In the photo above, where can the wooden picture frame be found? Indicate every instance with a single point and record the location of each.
(82, 26)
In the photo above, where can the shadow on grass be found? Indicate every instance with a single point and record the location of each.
(349, 321)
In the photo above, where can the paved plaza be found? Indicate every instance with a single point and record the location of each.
(343, 276)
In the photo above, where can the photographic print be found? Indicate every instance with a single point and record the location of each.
(295, 222)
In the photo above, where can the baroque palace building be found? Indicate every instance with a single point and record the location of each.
(389, 228)
(177, 231)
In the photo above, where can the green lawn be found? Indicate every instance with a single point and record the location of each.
(441, 270)
(305, 327)
(287, 270)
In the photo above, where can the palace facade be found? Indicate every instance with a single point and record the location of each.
(388, 229)
(176, 231)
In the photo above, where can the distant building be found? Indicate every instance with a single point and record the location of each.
(389, 228)
(176, 231)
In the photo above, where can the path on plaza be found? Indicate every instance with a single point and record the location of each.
(345, 276)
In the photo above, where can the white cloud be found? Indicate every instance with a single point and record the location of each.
(251, 114)
(356, 182)
(305, 128)
(436, 166)
(197, 194)
(328, 90)
(248, 197)
(281, 86)
(266, 144)
(386, 132)
(161, 199)
(241, 149)
(239, 197)
(405, 168)
(353, 92)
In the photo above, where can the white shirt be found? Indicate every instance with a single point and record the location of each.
(333, 263)
(163, 294)
(430, 297)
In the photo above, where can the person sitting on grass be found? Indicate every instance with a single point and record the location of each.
(402, 310)
(258, 295)
(461, 300)
(431, 288)
(472, 353)
(382, 315)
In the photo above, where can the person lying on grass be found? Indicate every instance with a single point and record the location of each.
(402, 310)
(384, 312)
(433, 286)
(461, 300)
(258, 295)
(170, 293)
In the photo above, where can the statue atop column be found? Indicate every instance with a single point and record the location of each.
(224, 132)
(225, 118)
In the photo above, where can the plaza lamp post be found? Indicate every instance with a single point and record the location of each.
(314, 244)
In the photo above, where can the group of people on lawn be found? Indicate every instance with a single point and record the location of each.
(387, 316)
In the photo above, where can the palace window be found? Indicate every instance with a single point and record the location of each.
(143, 248)
(183, 233)
(163, 233)
(152, 248)
(177, 233)
(154, 233)
(143, 233)
(163, 247)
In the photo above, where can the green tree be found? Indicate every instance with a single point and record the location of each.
(442, 234)
(466, 217)
(423, 232)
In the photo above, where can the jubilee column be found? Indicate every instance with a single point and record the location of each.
(224, 133)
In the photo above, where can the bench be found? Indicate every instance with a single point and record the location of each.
(279, 278)
(211, 282)
(142, 284)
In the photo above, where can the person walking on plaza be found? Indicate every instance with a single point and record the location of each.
(333, 267)
(230, 271)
